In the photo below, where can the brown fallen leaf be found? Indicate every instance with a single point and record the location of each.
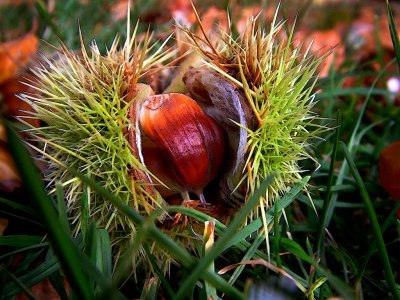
(3, 225)
(389, 170)
(14, 55)
(3, 134)
(43, 290)
(9, 177)
(14, 106)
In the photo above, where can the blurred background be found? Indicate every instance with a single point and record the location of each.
(361, 65)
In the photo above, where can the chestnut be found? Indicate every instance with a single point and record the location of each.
(190, 144)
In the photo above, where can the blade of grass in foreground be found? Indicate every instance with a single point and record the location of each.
(31, 277)
(328, 197)
(372, 248)
(294, 248)
(224, 238)
(374, 222)
(63, 246)
(393, 33)
(355, 139)
(176, 250)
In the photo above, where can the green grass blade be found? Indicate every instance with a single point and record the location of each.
(359, 91)
(20, 240)
(18, 216)
(62, 210)
(90, 249)
(243, 245)
(160, 274)
(44, 14)
(18, 206)
(35, 246)
(328, 197)
(249, 254)
(178, 252)
(85, 212)
(374, 222)
(243, 234)
(390, 219)
(104, 253)
(18, 282)
(352, 145)
(224, 238)
(393, 33)
(63, 246)
(277, 237)
(32, 277)
(342, 288)
(57, 281)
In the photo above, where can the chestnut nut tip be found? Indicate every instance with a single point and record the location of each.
(191, 144)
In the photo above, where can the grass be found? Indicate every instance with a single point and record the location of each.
(345, 243)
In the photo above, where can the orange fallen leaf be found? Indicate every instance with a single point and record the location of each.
(389, 170)
(9, 177)
(182, 12)
(14, 106)
(321, 42)
(14, 55)
(3, 225)
(3, 134)
(118, 10)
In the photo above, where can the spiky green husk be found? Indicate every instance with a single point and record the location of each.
(278, 80)
(83, 100)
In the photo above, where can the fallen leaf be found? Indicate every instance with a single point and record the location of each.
(14, 55)
(321, 42)
(3, 134)
(118, 10)
(9, 177)
(182, 12)
(43, 290)
(389, 170)
(3, 225)
(14, 106)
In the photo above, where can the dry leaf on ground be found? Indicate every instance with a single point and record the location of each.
(42, 290)
(14, 106)
(389, 170)
(14, 55)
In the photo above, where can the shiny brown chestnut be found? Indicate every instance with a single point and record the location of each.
(190, 142)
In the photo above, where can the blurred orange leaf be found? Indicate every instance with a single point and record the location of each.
(3, 225)
(389, 170)
(14, 55)
(14, 105)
